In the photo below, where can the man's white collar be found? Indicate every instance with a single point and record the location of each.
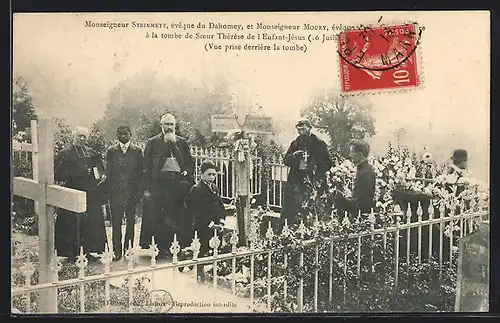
(124, 146)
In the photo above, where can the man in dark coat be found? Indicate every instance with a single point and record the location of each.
(124, 164)
(204, 206)
(80, 167)
(308, 160)
(167, 164)
(364, 183)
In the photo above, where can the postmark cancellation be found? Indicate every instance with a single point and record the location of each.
(380, 58)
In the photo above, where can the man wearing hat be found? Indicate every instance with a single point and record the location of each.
(459, 162)
(168, 174)
(124, 163)
(308, 159)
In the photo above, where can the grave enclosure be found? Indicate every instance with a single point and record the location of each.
(52, 195)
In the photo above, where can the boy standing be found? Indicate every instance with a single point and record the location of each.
(204, 205)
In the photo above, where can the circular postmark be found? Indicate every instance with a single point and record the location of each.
(367, 54)
(379, 48)
(161, 301)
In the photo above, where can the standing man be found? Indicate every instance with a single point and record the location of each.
(124, 163)
(168, 165)
(81, 168)
(308, 160)
(364, 183)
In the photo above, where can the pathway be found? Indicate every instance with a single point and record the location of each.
(188, 295)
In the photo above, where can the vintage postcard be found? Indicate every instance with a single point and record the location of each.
(305, 162)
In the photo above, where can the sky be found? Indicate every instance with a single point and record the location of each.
(70, 70)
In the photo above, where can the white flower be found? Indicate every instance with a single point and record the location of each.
(412, 173)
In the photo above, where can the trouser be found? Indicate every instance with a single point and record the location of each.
(117, 211)
(169, 208)
(205, 234)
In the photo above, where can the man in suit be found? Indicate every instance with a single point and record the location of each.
(167, 164)
(204, 205)
(364, 183)
(124, 172)
(308, 159)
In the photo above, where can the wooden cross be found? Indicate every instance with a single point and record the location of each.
(251, 124)
(46, 195)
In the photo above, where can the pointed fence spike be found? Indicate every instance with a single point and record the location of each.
(195, 245)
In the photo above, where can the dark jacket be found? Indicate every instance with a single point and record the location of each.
(124, 173)
(319, 157)
(155, 155)
(76, 171)
(364, 188)
(204, 205)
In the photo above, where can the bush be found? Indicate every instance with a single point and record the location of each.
(372, 287)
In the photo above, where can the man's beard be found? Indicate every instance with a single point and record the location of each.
(79, 143)
(170, 136)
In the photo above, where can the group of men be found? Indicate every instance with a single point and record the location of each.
(309, 160)
(162, 176)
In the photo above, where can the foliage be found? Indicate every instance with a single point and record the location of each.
(23, 110)
(362, 269)
(141, 99)
(96, 140)
(342, 119)
(362, 272)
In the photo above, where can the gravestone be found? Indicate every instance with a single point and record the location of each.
(472, 293)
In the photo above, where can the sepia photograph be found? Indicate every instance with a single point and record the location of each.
(250, 162)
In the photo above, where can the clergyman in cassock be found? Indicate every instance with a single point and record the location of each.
(309, 160)
(362, 198)
(80, 167)
(168, 168)
(124, 165)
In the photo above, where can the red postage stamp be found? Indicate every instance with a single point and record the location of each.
(379, 58)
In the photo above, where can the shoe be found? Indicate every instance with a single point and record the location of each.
(70, 260)
(91, 258)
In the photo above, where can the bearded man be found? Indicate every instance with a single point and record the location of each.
(168, 169)
(80, 167)
(308, 159)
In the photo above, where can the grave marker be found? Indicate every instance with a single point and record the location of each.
(472, 293)
(252, 124)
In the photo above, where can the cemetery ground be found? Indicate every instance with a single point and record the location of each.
(198, 297)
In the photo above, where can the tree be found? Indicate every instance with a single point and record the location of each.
(342, 119)
(140, 100)
(22, 107)
(97, 139)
